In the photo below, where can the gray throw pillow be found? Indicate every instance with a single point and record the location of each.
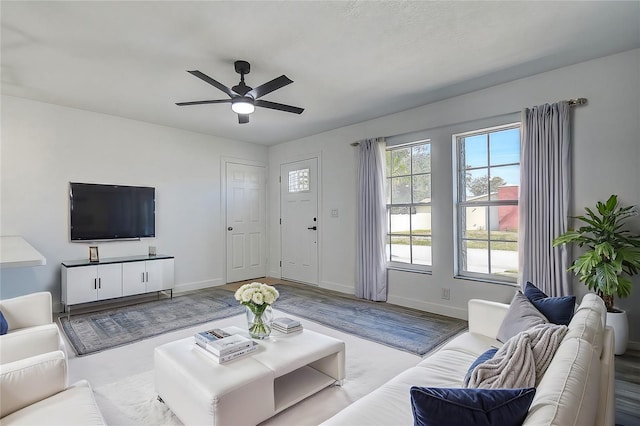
(521, 316)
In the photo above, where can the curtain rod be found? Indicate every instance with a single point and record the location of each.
(577, 101)
(571, 102)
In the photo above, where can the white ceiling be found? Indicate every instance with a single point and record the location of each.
(350, 61)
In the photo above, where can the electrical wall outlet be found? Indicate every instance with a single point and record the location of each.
(446, 293)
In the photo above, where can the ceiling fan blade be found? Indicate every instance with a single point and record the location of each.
(243, 118)
(217, 101)
(279, 107)
(270, 86)
(217, 85)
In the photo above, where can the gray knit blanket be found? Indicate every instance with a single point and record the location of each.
(521, 361)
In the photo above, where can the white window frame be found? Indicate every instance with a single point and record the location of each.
(405, 265)
(459, 180)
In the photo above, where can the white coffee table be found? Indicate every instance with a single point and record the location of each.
(283, 371)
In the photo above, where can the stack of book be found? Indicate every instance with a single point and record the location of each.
(286, 325)
(222, 346)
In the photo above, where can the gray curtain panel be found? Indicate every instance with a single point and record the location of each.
(545, 172)
(371, 222)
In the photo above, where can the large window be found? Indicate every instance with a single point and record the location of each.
(488, 187)
(409, 205)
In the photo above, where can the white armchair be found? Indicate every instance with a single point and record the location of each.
(31, 328)
(35, 391)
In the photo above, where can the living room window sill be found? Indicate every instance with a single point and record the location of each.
(487, 280)
(415, 271)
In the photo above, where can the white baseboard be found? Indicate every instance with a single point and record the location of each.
(450, 311)
(198, 285)
(337, 287)
(436, 308)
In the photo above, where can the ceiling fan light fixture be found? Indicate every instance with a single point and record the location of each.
(243, 105)
(244, 99)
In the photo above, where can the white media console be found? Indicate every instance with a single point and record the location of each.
(84, 281)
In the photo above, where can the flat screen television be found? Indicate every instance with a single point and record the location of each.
(110, 212)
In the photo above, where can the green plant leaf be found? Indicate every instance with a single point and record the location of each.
(568, 237)
(605, 250)
(624, 287)
(612, 202)
(606, 279)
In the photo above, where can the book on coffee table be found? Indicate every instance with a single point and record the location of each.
(204, 337)
(229, 344)
(287, 331)
(286, 325)
(240, 353)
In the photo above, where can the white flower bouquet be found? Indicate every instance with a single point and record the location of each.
(257, 297)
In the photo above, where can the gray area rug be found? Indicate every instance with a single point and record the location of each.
(406, 329)
(96, 331)
(402, 328)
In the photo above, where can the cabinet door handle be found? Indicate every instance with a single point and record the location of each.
(99, 282)
(147, 276)
(95, 283)
(142, 276)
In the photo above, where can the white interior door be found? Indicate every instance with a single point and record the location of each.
(246, 224)
(299, 220)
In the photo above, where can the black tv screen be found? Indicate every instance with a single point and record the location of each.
(107, 212)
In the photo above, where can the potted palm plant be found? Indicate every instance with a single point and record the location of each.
(611, 258)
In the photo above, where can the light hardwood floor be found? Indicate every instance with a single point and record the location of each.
(628, 387)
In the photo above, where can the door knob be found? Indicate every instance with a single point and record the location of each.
(230, 228)
(313, 227)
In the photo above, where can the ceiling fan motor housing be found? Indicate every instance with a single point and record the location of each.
(242, 67)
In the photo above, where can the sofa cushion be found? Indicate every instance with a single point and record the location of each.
(586, 324)
(74, 406)
(558, 310)
(29, 380)
(27, 342)
(4, 326)
(522, 315)
(569, 391)
(461, 406)
(485, 356)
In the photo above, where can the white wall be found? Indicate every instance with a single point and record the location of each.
(45, 146)
(606, 147)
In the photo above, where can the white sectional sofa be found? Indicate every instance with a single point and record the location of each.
(34, 387)
(577, 388)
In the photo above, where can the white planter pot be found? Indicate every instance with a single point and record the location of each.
(618, 321)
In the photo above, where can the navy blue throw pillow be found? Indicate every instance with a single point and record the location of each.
(4, 326)
(464, 407)
(487, 355)
(558, 310)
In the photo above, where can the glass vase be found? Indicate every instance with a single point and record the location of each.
(259, 323)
